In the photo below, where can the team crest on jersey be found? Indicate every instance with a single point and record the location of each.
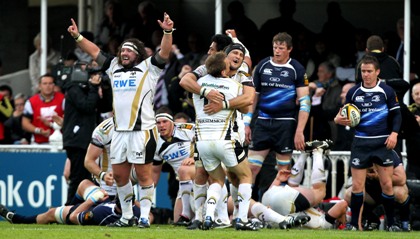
(376, 98)
(268, 72)
(284, 74)
(355, 161)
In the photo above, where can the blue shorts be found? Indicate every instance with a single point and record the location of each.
(278, 135)
(366, 152)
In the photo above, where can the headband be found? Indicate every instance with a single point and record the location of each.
(130, 46)
(164, 115)
(234, 46)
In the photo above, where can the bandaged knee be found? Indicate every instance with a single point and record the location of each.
(256, 160)
(93, 193)
(58, 214)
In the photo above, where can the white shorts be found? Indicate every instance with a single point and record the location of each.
(212, 153)
(281, 199)
(137, 147)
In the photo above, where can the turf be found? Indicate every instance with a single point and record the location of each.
(53, 231)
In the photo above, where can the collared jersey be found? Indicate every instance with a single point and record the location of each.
(276, 85)
(374, 105)
(176, 149)
(101, 137)
(133, 92)
(219, 126)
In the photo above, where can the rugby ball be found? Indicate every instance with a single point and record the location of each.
(352, 113)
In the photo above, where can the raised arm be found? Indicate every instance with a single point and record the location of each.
(87, 46)
(166, 44)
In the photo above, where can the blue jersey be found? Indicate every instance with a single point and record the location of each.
(104, 214)
(375, 105)
(276, 85)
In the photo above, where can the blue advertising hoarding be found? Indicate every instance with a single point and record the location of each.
(31, 183)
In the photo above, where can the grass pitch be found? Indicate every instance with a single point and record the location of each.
(53, 231)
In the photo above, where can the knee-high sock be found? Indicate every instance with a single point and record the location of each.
(298, 169)
(125, 194)
(213, 196)
(146, 197)
(318, 171)
(388, 202)
(244, 197)
(200, 194)
(221, 208)
(185, 188)
(266, 214)
(234, 194)
(405, 209)
(355, 205)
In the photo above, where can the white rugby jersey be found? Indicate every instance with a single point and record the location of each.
(133, 92)
(101, 137)
(219, 126)
(178, 148)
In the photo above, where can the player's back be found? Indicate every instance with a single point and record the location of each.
(219, 125)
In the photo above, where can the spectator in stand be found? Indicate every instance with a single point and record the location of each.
(284, 23)
(339, 32)
(146, 21)
(246, 30)
(113, 44)
(35, 61)
(111, 24)
(6, 110)
(40, 108)
(360, 37)
(414, 53)
(320, 53)
(196, 53)
(413, 138)
(325, 102)
(79, 53)
(14, 123)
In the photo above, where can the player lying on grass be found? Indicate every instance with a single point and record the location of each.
(286, 196)
(74, 214)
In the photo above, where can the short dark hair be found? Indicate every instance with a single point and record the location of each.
(6, 88)
(46, 75)
(182, 115)
(374, 42)
(283, 37)
(164, 109)
(222, 41)
(368, 59)
(215, 64)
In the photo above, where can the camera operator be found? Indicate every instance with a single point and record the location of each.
(81, 103)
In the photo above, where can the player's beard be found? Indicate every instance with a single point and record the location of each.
(129, 65)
